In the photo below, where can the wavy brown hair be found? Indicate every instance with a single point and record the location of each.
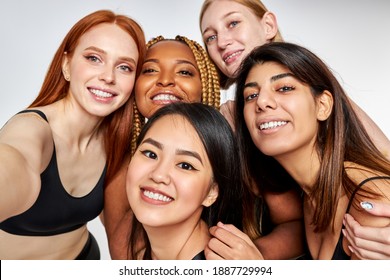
(341, 138)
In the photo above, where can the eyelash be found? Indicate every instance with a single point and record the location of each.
(148, 70)
(148, 153)
(234, 23)
(186, 73)
(96, 59)
(92, 58)
(282, 89)
(181, 72)
(189, 166)
(285, 88)
(182, 165)
(231, 24)
(251, 97)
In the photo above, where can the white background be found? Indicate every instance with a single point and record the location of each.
(353, 37)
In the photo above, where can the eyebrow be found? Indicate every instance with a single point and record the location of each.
(272, 79)
(182, 152)
(189, 153)
(124, 58)
(225, 16)
(179, 61)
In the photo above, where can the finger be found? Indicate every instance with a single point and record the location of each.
(368, 254)
(235, 231)
(376, 208)
(366, 247)
(211, 255)
(225, 235)
(366, 232)
(219, 248)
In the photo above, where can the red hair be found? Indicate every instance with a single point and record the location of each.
(117, 126)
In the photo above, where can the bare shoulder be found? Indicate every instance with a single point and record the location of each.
(369, 178)
(373, 182)
(29, 134)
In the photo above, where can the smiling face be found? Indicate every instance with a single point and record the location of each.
(280, 111)
(231, 31)
(102, 69)
(169, 178)
(169, 74)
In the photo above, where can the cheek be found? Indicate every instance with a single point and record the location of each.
(193, 89)
(135, 173)
(141, 86)
(127, 84)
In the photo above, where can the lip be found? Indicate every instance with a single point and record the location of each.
(165, 96)
(232, 56)
(102, 95)
(270, 125)
(154, 196)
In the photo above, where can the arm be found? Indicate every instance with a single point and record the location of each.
(21, 153)
(117, 215)
(375, 221)
(376, 134)
(286, 241)
(369, 242)
(15, 178)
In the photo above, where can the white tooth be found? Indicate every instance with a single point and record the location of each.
(100, 93)
(156, 196)
(272, 124)
(165, 97)
(232, 55)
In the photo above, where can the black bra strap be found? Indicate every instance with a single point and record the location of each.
(361, 184)
(43, 116)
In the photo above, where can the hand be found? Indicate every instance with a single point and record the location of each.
(369, 242)
(230, 243)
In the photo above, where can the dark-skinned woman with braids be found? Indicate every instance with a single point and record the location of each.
(175, 70)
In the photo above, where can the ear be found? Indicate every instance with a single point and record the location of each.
(212, 196)
(324, 105)
(271, 25)
(65, 67)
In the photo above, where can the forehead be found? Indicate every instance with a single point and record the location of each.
(266, 70)
(220, 9)
(108, 35)
(177, 130)
(171, 49)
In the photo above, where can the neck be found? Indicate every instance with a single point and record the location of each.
(303, 166)
(77, 128)
(179, 242)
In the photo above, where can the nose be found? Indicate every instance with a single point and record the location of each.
(224, 40)
(161, 173)
(108, 74)
(266, 101)
(165, 79)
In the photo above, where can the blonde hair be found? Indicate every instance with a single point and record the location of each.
(208, 76)
(258, 9)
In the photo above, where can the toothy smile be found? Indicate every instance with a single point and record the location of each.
(156, 196)
(165, 97)
(273, 124)
(100, 93)
(226, 58)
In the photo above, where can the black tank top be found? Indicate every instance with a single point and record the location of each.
(339, 253)
(55, 211)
